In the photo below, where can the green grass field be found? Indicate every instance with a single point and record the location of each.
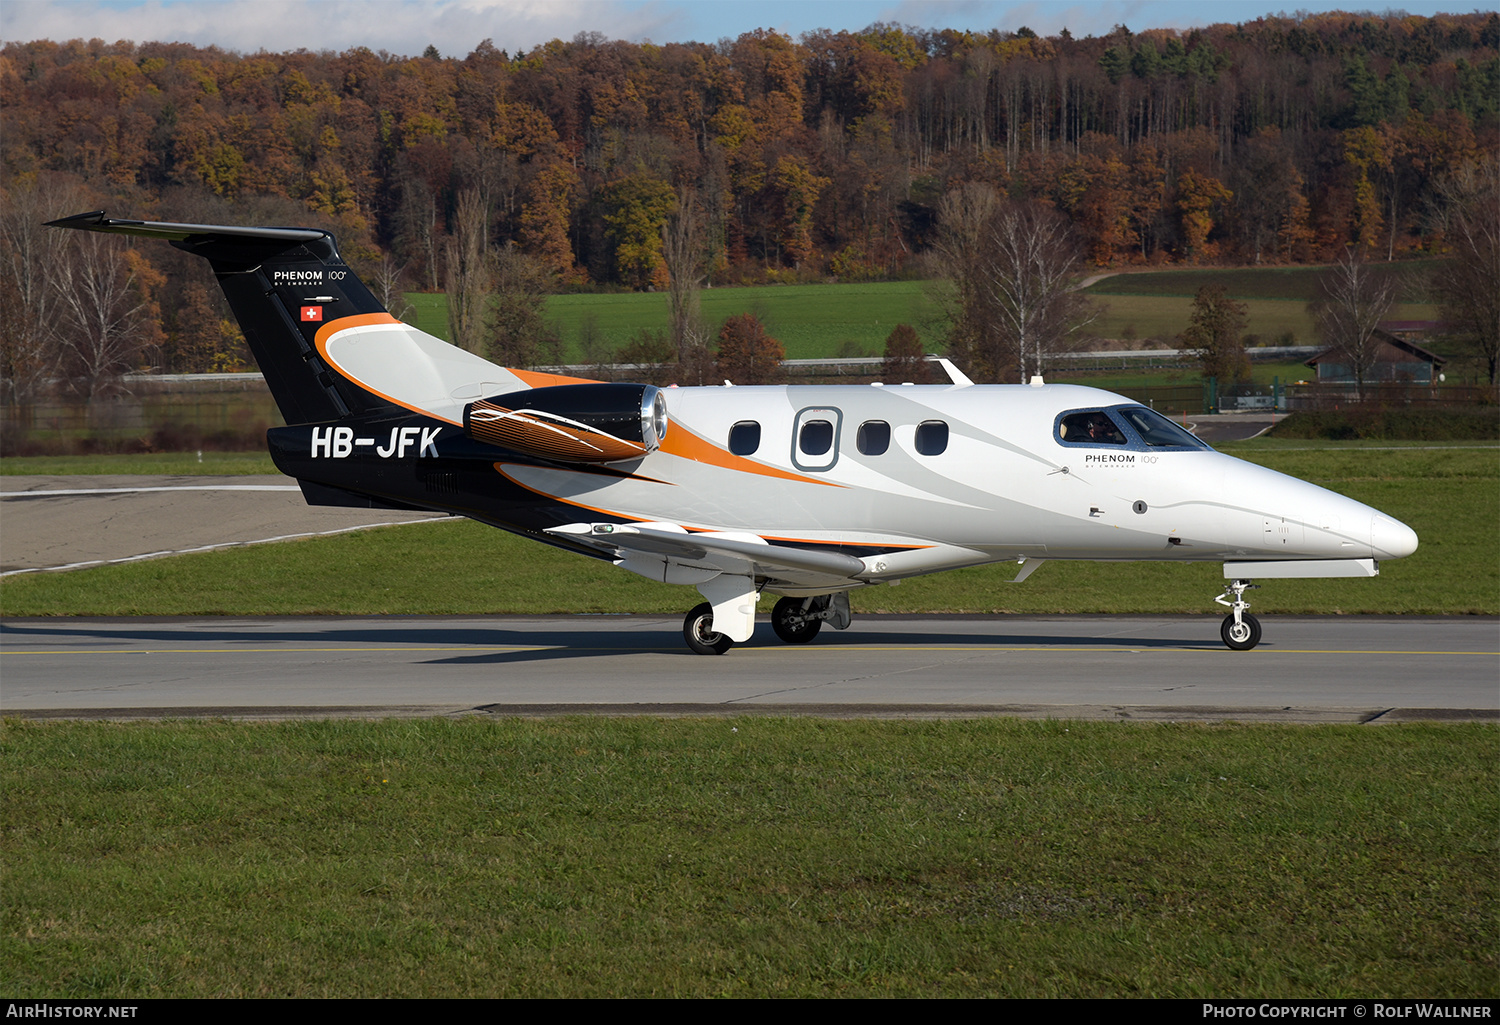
(1449, 496)
(1295, 284)
(810, 321)
(747, 857)
(820, 321)
(1275, 321)
(1157, 304)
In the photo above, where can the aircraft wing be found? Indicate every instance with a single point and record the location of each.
(734, 553)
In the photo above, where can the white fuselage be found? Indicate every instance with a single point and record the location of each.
(1004, 486)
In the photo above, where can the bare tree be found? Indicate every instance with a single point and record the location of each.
(1468, 286)
(417, 226)
(389, 281)
(30, 254)
(518, 336)
(1031, 260)
(683, 249)
(964, 212)
(468, 271)
(107, 317)
(1355, 298)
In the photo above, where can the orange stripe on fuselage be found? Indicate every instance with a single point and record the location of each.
(684, 444)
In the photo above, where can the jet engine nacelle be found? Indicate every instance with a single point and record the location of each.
(573, 423)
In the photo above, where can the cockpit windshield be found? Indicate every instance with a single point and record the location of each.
(1156, 430)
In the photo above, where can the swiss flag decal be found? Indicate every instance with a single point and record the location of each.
(312, 313)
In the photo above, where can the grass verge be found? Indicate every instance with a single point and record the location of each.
(747, 857)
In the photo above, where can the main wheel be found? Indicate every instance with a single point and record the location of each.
(698, 631)
(1242, 636)
(791, 623)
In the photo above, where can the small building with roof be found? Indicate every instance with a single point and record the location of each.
(1398, 360)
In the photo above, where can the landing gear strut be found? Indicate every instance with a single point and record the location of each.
(1240, 630)
(796, 620)
(698, 631)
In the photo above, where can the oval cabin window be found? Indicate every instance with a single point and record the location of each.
(874, 438)
(816, 438)
(932, 437)
(744, 438)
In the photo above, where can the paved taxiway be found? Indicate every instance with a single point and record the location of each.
(1309, 669)
(75, 522)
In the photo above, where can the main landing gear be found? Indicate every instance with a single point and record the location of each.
(795, 620)
(1240, 630)
(698, 631)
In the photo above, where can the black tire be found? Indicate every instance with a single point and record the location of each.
(788, 622)
(698, 631)
(1243, 639)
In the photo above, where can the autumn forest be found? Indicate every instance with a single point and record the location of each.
(586, 164)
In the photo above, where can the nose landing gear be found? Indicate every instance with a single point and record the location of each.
(1240, 630)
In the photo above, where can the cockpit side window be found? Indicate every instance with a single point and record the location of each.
(1156, 430)
(1092, 427)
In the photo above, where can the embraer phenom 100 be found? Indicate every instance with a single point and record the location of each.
(804, 491)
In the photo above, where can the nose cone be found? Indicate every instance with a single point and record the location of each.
(1391, 539)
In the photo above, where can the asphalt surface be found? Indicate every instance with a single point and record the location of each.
(73, 522)
(1321, 669)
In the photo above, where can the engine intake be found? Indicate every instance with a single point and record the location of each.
(573, 423)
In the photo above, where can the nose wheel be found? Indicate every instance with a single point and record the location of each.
(1241, 636)
(1240, 630)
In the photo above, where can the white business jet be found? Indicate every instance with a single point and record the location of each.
(807, 492)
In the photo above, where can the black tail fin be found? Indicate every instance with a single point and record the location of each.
(283, 285)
